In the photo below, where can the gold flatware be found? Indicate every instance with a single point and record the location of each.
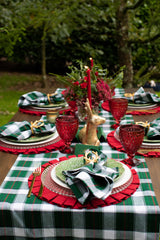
(36, 173)
(146, 150)
(42, 186)
(141, 110)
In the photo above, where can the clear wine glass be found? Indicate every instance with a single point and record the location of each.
(118, 108)
(131, 137)
(67, 126)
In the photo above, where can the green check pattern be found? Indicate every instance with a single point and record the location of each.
(91, 180)
(39, 98)
(154, 129)
(21, 218)
(22, 130)
(140, 96)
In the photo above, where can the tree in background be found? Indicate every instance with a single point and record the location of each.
(133, 27)
(114, 32)
(51, 19)
(11, 29)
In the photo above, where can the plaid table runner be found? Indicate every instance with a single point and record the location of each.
(30, 218)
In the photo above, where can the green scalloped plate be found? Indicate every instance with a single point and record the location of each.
(52, 105)
(142, 105)
(146, 140)
(32, 139)
(139, 104)
(77, 162)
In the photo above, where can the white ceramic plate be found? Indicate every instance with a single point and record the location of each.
(52, 137)
(125, 177)
(50, 106)
(150, 145)
(141, 106)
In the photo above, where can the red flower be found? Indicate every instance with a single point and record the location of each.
(85, 78)
(83, 85)
(76, 83)
(96, 73)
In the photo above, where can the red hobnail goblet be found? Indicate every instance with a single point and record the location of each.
(118, 108)
(67, 126)
(131, 137)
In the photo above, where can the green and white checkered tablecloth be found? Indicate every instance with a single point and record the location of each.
(22, 218)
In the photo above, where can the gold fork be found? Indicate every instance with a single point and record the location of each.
(42, 186)
(36, 173)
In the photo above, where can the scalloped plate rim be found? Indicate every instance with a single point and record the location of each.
(122, 180)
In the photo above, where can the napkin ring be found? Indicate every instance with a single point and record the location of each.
(89, 159)
(36, 125)
(50, 95)
(129, 95)
(146, 125)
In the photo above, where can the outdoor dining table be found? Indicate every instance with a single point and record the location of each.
(137, 217)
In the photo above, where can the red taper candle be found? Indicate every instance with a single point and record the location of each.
(91, 62)
(89, 86)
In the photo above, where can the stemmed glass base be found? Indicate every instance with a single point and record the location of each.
(115, 125)
(67, 149)
(132, 161)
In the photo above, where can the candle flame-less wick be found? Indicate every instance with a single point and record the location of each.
(86, 67)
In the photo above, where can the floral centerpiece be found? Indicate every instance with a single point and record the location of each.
(83, 81)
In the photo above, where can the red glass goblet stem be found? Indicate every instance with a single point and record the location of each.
(131, 137)
(118, 108)
(67, 127)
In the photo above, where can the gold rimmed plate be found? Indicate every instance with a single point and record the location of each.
(151, 141)
(54, 183)
(35, 140)
(77, 162)
(142, 106)
(51, 106)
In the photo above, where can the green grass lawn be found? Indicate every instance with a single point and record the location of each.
(9, 94)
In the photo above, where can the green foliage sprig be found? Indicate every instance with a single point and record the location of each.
(102, 85)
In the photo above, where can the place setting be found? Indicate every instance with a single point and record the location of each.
(85, 181)
(139, 103)
(150, 144)
(38, 103)
(30, 137)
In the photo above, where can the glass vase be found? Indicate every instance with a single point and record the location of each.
(82, 115)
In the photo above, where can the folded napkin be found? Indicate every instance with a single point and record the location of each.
(141, 96)
(91, 180)
(153, 131)
(23, 130)
(38, 98)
